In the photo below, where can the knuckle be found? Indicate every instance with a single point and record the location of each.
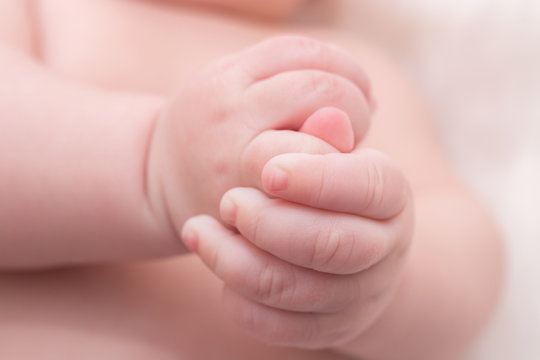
(311, 47)
(375, 185)
(343, 251)
(317, 196)
(256, 229)
(386, 191)
(273, 284)
(331, 248)
(328, 86)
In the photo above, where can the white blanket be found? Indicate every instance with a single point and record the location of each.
(478, 63)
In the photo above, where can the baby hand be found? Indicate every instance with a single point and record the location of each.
(209, 138)
(317, 264)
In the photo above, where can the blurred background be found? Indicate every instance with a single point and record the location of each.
(477, 63)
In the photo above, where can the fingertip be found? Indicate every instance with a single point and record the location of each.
(274, 178)
(228, 210)
(197, 228)
(290, 176)
(332, 125)
(190, 238)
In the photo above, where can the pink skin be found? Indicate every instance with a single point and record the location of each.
(333, 234)
(331, 125)
(303, 254)
(228, 113)
(75, 193)
(314, 258)
(275, 9)
(314, 263)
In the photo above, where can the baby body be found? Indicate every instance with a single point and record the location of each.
(127, 59)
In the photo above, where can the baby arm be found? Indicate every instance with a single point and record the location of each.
(72, 171)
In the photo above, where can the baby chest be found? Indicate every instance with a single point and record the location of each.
(135, 45)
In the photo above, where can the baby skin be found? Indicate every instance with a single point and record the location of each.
(318, 238)
(307, 191)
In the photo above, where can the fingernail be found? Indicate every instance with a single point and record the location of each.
(279, 179)
(190, 239)
(228, 210)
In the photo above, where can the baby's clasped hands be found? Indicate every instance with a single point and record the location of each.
(319, 235)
